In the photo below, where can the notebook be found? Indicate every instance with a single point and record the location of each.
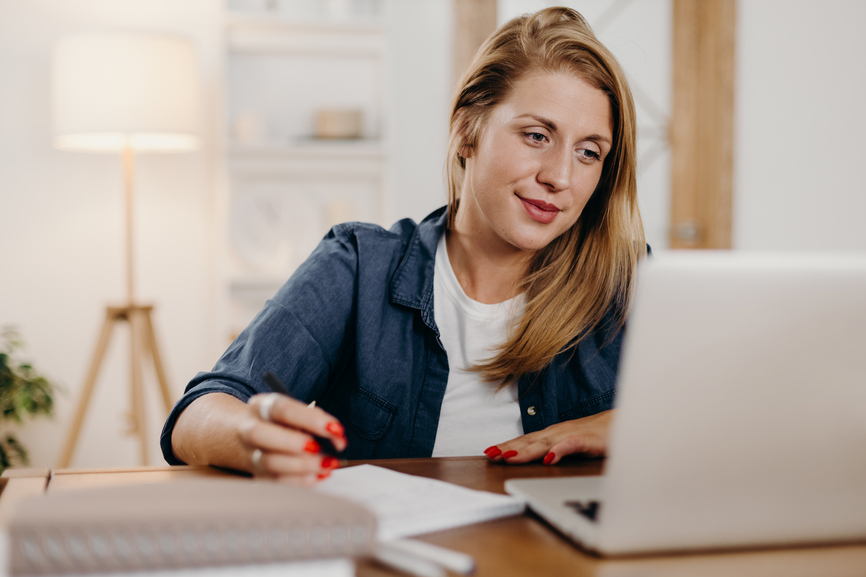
(740, 414)
(406, 505)
(225, 523)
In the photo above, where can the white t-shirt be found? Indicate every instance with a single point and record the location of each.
(473, 416)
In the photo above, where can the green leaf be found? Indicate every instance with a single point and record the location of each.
(23, 393)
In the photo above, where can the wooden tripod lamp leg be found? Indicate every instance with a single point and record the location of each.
(136, 346)
(75, 428)
(150, 341)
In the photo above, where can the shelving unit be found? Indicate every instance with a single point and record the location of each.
(284, 61)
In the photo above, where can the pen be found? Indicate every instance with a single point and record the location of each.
(406, 562)
(275, 385)
(447, 558)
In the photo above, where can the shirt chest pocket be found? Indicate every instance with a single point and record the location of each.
(370, 416)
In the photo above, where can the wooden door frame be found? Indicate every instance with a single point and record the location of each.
(474, 21)
(702, 123)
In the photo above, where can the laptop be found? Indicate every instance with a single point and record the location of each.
(740, 413)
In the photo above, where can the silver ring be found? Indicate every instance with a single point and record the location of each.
(257, 459)
(266, 405)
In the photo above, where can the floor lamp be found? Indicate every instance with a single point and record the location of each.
(127, 94)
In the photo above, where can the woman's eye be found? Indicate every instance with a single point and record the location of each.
(589, 154)
(536, 137)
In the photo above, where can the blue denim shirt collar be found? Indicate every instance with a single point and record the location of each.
(412, 283)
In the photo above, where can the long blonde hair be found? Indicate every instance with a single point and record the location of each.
(588, 271)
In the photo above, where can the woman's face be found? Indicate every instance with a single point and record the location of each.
(537, 161)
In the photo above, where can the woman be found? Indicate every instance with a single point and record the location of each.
(495, 321)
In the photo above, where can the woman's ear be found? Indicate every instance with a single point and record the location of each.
(465, 151)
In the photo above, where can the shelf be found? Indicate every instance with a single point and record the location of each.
(263, 34)
(306, 147)
(317, 159)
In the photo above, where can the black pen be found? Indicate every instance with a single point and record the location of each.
(275, 385)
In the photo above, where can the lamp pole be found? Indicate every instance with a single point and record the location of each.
(128, 182)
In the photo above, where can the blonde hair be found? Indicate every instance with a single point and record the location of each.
(588, 271)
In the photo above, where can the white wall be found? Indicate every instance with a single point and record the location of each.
(61, 234)
(800, 121)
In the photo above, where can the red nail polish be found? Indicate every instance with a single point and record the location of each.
(329, 462)
(509, 454)
(335, 429)
(312, 447)
(493, 452)
(324, 475)
(548, 458)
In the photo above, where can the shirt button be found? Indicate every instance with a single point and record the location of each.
(531, 411)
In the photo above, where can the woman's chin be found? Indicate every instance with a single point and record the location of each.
(529, 242)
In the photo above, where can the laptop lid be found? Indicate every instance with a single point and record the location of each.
(741, 407)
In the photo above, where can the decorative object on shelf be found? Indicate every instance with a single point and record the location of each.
(23, 393)
(339, 123)
(125, 93)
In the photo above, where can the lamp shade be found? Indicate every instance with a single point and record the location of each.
(132, 90)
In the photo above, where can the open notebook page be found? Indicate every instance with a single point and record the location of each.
(406, 505)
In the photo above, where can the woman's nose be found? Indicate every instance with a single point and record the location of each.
(556, 167)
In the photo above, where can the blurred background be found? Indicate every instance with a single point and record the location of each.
(314, 112)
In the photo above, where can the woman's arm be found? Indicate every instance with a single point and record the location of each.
(218, 429)
(300, 335)
(586, 436)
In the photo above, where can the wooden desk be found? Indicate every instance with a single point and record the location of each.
(523, 545)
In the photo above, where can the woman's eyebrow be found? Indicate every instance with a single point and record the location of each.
(540, 119)
(598, 137)
(551, 125)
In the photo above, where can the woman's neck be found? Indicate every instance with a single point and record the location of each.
(488, 272)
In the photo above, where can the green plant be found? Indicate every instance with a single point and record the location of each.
(23, 393)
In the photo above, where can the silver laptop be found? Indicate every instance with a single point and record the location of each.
(740, 414)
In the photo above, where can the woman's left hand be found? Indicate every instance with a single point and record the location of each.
(586, 436)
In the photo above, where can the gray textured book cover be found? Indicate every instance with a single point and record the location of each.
(195, 523)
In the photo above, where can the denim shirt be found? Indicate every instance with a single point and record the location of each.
(353, 328)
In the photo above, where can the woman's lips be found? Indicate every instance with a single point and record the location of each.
(539, 211)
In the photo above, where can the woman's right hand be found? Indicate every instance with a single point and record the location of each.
(277, 438)
(219, 430)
